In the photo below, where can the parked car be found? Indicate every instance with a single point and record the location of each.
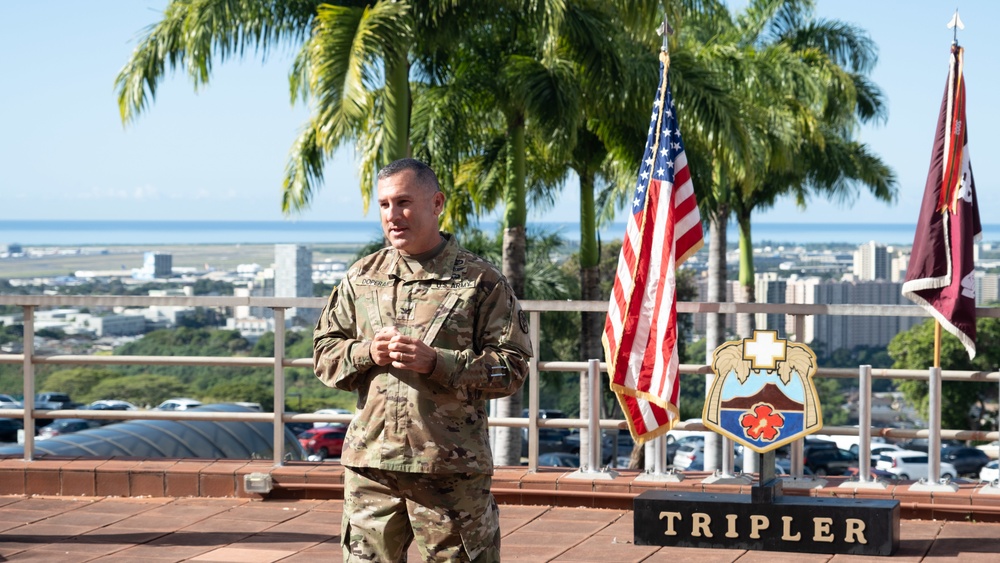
(572, 441)
(829, 461)
(909, 464)
(326, 412)
(966, 460)
(9, 428)
(990, 472)
(8, 402)
(849, 443)
(992, 450)
(691, 439)
(549, 440)
(559, 459)
(921, 444)
(879, 449)
(625, 443)
(690, 456)
(324, 442)
(66, 426)
(110, 405)
(178, 404)
(50, 401)
(296, 427)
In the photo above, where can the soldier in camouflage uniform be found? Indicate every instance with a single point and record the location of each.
(426, 333)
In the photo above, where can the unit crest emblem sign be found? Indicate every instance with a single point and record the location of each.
(763, 395)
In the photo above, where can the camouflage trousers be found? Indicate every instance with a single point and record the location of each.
(453, 517)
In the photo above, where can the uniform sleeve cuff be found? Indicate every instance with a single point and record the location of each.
(446, 362)
(361, 354)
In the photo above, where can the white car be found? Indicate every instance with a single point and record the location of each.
(179, 404)
(992, 449)
(8, 402)
(990, 472)
(691, 456)
(879, 449)
(111, 405)
(330, 411)
(907, 464)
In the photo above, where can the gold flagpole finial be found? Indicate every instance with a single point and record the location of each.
(956, 24)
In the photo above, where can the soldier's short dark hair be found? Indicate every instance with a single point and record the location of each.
(423, 173)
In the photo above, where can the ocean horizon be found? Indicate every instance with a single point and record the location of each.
(114, 233)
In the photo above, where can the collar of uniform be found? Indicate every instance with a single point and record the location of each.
(438, 268)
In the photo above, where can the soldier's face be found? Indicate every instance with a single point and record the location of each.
(409, 213)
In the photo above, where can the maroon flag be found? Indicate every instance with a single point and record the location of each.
(940, 275)
(663, 230)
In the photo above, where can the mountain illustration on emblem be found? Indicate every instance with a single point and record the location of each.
(769, 394)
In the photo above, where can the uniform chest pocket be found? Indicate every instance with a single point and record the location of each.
(440, 316)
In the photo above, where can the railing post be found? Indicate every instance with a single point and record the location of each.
(797, 451)
(534, 335)
(279, 386)
(593, 471)
(934, 424)
(864, 423)
(660, 455)
(594, 424)
(29, 382)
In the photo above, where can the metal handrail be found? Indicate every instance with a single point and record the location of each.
(28, 359)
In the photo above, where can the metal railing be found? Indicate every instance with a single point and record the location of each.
(29, 359)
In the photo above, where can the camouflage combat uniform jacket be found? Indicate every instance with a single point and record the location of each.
(457, 303)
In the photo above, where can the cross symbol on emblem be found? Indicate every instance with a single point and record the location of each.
(764, 350)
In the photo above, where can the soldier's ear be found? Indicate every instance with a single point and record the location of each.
(438, 203)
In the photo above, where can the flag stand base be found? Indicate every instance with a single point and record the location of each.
(991, 489)
(940, 487)
(731, 479)
(876, 484)
(670, 476)
(602, 475)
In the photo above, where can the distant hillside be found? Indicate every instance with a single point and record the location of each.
(769, 394)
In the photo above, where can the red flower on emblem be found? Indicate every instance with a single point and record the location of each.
(763, 423)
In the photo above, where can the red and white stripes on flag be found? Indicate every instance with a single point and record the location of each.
(664, 229)
(940, 276)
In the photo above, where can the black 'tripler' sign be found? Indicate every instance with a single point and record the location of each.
(733, 521)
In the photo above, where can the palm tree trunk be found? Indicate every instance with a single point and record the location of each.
(590, 279)
(397, 109)
(745, 322)
(715, 326)
(591, 324)
(508, 440)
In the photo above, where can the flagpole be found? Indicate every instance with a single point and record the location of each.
(937, 343)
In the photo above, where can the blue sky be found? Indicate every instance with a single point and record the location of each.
(219, 153)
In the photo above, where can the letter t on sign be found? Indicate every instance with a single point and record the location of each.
(670, 516)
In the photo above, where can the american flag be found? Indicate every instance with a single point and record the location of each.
(664, 229)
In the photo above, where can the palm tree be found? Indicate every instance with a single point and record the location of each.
(353, 67)
(524, 98)
(791, 96)
(827, 96)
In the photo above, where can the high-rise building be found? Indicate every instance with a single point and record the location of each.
(155, 265)
(768, 288)
(293, 275)
(835, 331)
(987, 288)
(898, 265)
(871, 262)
